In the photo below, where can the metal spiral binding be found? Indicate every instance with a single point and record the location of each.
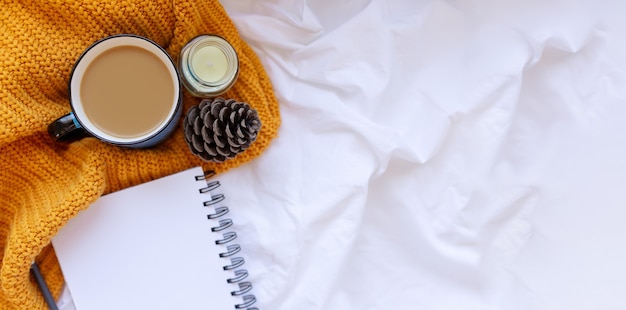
(227, 238)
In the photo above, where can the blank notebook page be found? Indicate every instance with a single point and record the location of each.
(146, 247)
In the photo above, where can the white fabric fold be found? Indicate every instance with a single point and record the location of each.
(438, 155)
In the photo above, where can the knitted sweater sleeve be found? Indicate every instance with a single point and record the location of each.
(43, 183)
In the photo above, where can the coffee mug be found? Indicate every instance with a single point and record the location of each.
(124, 90)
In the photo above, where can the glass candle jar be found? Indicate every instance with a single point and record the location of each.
(208, 66)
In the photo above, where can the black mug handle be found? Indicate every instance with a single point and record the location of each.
(66, 128)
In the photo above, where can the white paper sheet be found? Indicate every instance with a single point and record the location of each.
(147, 247)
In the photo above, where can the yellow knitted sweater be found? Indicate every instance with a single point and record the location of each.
(43, 183)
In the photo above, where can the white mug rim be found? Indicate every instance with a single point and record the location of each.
(96, 49)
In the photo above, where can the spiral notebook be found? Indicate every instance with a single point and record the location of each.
(164, 244)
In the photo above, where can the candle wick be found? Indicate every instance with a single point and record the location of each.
(210, 64)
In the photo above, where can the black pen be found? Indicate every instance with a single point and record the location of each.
(43, 287)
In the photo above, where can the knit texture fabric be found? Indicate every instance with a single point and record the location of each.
(44, 183)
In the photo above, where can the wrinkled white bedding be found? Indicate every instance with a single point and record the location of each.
(438, 155)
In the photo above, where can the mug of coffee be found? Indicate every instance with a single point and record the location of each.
(124, 90)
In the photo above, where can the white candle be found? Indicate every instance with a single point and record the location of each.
(209, 63)
(208, 66)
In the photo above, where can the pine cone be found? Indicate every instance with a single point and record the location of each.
(219, 129)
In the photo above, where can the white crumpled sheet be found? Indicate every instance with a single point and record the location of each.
(438, 155)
